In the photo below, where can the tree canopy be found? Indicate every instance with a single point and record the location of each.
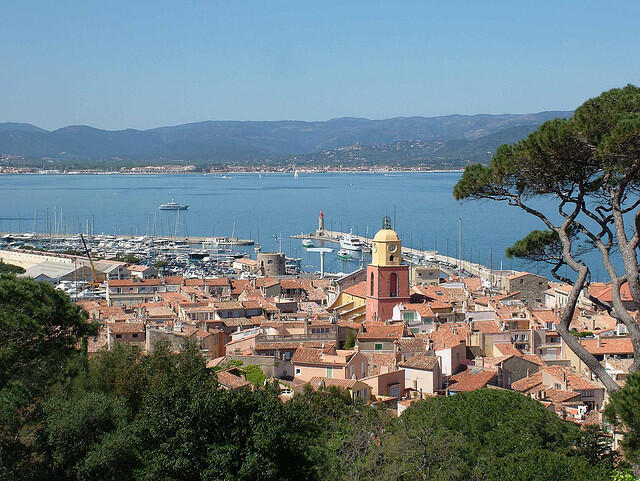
(590, 165)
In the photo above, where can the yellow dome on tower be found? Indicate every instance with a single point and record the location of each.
(386, 235)
(386, 248)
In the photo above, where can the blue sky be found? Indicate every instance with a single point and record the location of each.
(141, 64)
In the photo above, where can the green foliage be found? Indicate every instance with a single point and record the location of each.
(623, 411)
(160, 264)
(10, 269)
(623, 475)
(40, 333)
(350, 340)
(584, 334)
(537, 244)
(78, 430)
(594, 444)
(123, 415)
(561, 155)
(485, 434)
(131, 259)
(254, 375)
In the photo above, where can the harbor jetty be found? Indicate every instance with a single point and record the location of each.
(447, 264)
(232, 241)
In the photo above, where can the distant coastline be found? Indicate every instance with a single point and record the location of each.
(159, 170)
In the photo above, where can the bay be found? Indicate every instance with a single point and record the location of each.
(259, 206)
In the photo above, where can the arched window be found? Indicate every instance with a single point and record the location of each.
(393, 285)
(371, 287)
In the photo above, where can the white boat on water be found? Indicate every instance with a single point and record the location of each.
(345, 254)
(173, 206)
(351, 242)
(307, 242)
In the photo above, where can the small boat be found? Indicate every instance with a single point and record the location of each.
(307, 242)
(345, 254)
(173, 206)
(295, 174)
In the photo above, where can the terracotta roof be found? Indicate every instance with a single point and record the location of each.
(472, 283)
(439, 305)
(527, 383)
(545, 315)
(449, 335)
(535, 359)
(357, 290)
(271, 346)
(486, 327)
(238, 285)
(215, 362)
(174, 280)
(471, 379)
(411, 344)
(420, 361)
(506, 348)
(377, 360)
(306, 355)
(232, 381)
(290, 284)
(557, 396)
(422, 308)
(126, 327)
(593, 418)
(522, 274)
(246, 261)
(328, 382)
(266, 281)
(573, 380)
(605, 295)
(228, 305)
(609, 345)
(373, 331)
(138, 282)
(138, 268)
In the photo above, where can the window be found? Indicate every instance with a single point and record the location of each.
(298, 370)
(352, 370)
(371, 288)
(377, 347)
(329, 372)
(393, 285)
(363, 371)
(390, 258)
(118, 336)
(134, 335)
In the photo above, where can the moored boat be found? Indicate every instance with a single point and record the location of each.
(173, 206)
(350, 242)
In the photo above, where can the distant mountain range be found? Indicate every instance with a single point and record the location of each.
(452, 141)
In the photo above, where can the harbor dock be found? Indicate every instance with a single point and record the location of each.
(447, 264)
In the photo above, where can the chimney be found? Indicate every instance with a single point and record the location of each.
(599, 340)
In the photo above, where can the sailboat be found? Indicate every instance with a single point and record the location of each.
(295, 174)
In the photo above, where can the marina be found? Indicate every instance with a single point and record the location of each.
(254, 207)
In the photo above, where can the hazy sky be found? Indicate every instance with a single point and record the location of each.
(140, 64)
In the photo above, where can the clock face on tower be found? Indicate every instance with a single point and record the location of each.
(392, 247)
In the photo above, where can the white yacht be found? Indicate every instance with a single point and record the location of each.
(307, 242)
(350, 242)
(173, 206)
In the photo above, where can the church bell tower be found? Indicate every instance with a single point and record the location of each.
(387, 277)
